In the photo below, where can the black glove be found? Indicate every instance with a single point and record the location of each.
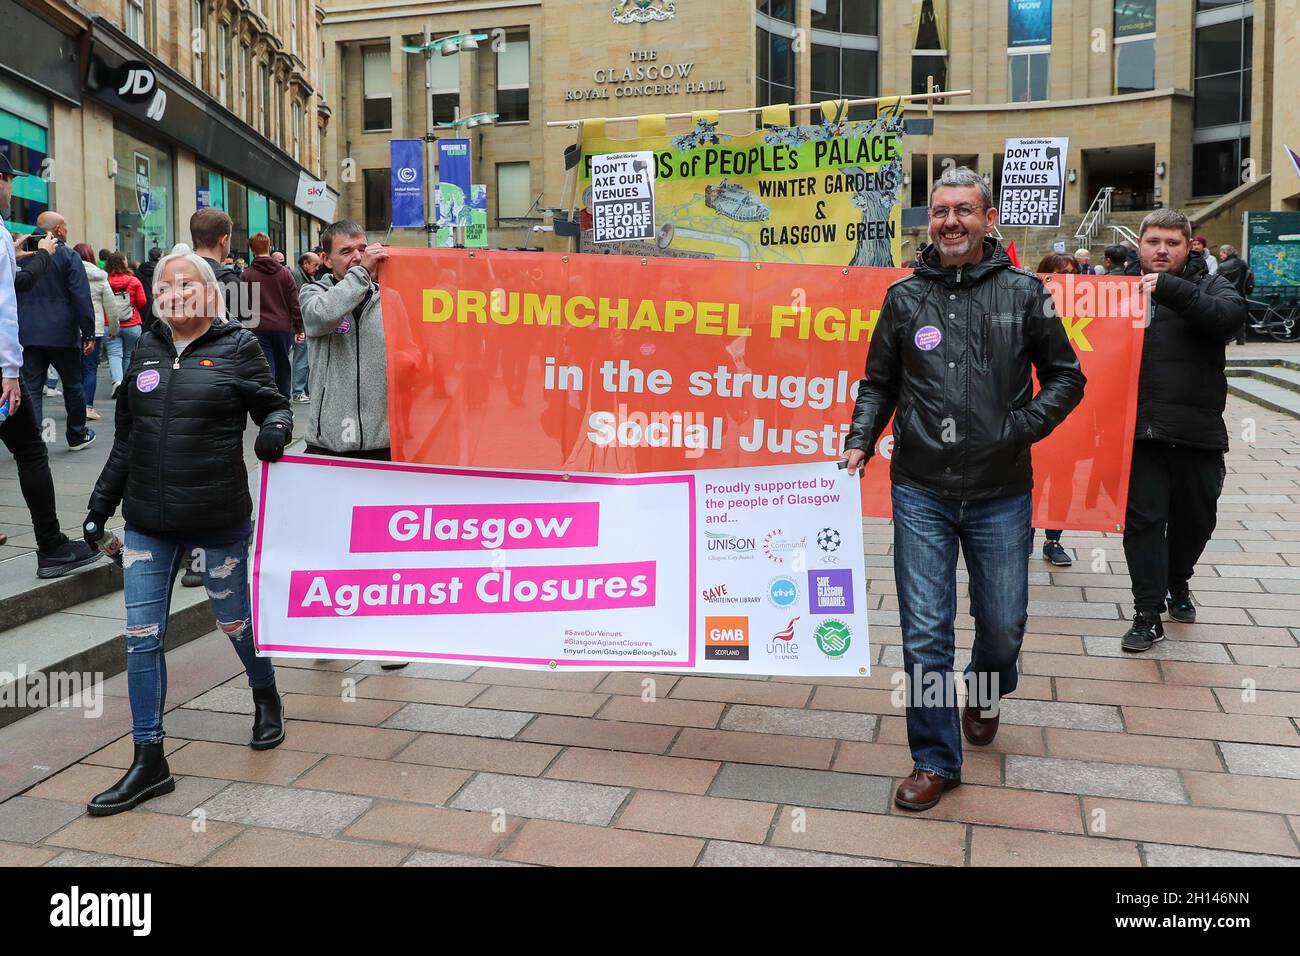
(93, 529)
(271, 441)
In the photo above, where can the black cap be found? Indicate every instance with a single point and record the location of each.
(7, 169)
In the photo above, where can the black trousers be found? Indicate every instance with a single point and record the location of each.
(69, 364)
(374, 454)
(277, 346)
(1173, 496)
(22, 436)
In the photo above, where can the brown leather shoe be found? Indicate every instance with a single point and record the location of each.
(978, 729)
(922, 790)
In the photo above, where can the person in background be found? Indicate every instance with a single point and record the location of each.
(969, 497)
(306, 271)
(1115, 258)
(177, 471)
(344, 321)
(1201, 248)
(105, 305)
(278, 256)
(1084, 258)
(1057, 263)
(101, 259)
(1133, 267)
(1233, 268)
(57, 325)
(145, 274)
(272, 295)
(1180, 437)
(128, 290)
(19, 431)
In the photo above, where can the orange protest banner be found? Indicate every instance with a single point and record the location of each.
(592, 363)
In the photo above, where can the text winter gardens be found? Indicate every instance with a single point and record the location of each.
(483, 590)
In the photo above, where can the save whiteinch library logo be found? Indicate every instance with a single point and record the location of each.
(643, 11)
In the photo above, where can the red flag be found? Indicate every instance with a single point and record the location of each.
(1011, 254)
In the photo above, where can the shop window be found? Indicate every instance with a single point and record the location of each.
(514, 191)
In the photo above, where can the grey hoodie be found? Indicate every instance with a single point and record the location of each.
(349, 368)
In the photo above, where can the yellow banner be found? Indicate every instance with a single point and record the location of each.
(825, 194)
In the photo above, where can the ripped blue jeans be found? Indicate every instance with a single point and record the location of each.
(150, 565)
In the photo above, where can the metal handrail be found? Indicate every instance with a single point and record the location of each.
(1094, 219)
(1124, 232)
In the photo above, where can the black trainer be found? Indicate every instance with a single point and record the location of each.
(1181, 608)
(1145, 632)
(67, 557)
(1056, 554)
(148, 776)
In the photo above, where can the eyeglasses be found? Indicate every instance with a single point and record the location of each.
(963, 211)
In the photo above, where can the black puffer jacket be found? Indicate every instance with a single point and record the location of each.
(951, 353)
(177, 463)
(1182, 390)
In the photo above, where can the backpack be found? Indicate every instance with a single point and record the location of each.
(124, 310)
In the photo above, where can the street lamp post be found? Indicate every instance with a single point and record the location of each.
(447, 46)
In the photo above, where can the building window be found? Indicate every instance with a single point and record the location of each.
(1222, 107)
(244, 78)
(198, 42)
(378, 211)
(25, 139)
(297, 131)
(1135, 64)
(775, 70)
(293, 26)
(929, 44)
(377, 90)
(1027, 75)
(446, 85)
(858, 17)
(264, 117)
(845, 73)
(223, 62)
(279, 113)
(135, 20)
(512, 81)
(514, 191)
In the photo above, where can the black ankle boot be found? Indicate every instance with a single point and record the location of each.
(268, 719)
(148, 776)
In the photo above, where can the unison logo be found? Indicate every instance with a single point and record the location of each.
(728, 542)
(75, 909)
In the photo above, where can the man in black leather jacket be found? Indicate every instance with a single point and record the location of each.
(1178, 470)
(950, 360)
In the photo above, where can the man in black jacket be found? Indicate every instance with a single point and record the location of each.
(1233, 268)
(145, 275)
(1116, 257)
(1178, 471)
(950, 359)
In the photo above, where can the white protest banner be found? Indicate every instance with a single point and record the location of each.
(623, 196)
(740, 571)
(1033, 182)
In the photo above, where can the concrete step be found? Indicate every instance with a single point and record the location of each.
(85, 641)
(1278, 398)
(1259, 360)
(1279, 375)
(25, 597)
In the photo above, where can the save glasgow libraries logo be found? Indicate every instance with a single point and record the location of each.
(830, 591)
(783, 591)
(726, 638)
(833, 637)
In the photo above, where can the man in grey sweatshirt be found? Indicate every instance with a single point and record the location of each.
(344, 324)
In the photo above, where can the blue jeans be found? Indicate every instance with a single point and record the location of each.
(300, 369)
(120, 348)
(90, 371)
(150, 565)
(993, 535)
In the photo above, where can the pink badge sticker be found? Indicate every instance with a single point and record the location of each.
(344, 327)
(927, 338)
(147, 380)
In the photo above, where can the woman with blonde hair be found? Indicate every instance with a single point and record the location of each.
(177, 469)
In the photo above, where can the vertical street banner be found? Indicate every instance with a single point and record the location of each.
(1033, 182)
(735, 571)
(476, 234)
(823, 193)
(605, 364)
(1029, 23)
(406, 162)
(622, 197)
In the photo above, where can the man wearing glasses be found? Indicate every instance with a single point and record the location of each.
(950, 359)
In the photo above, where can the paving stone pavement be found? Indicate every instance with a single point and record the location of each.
(1184, 757)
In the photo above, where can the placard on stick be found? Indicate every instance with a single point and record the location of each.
(1033, 182)
(623, 196)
